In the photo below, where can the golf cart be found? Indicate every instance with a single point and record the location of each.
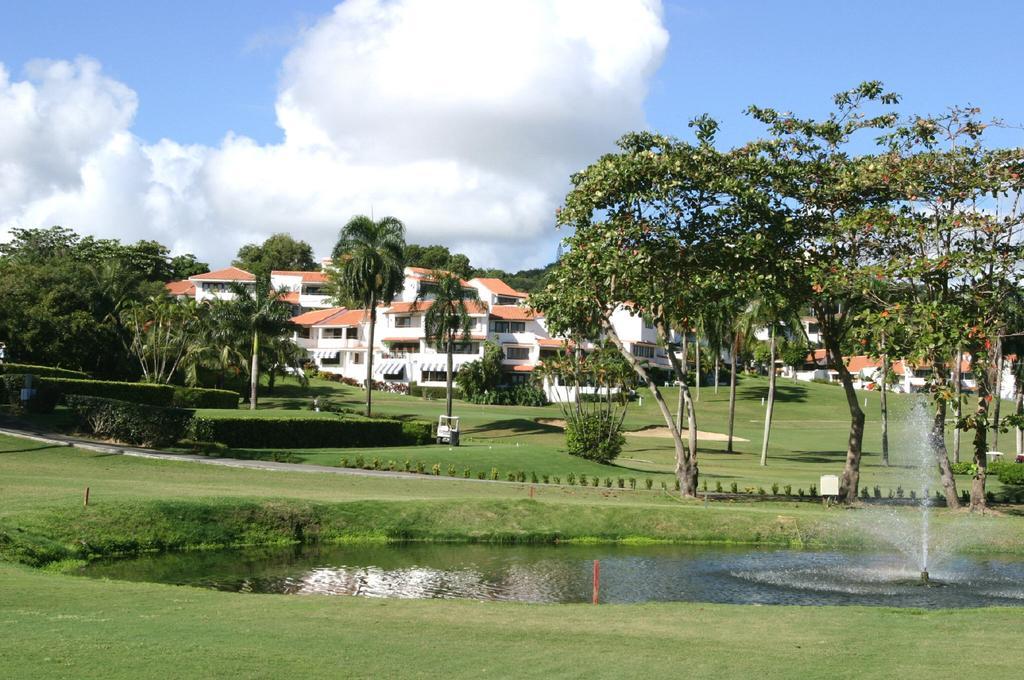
(448, 430)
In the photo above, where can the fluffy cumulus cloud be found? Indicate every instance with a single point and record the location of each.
(463, 118)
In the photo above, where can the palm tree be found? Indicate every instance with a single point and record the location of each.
(214, 347)
(446, 318)
(260, 312)
(369, 270)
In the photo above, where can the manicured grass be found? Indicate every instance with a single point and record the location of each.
(63, 626)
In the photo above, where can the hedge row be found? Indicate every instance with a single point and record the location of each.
(200, 397)
(299, 433)
(43, 371)
(139, 393)
(135, 424)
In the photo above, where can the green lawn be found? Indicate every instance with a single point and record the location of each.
(56, 625)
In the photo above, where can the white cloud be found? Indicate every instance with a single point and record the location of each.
(462, 117)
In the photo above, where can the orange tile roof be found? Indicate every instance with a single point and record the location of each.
(291, 298)
(554, 342)
(499, 287)
(349, 317)
(521, 368)
(307, 277)
(512, 313)
(226, 274)
(184, 287)
(425, 274)
(316, 316)
(474, 307)
(858, 363)
(398, 339)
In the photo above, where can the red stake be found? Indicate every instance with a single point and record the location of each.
(597, 579)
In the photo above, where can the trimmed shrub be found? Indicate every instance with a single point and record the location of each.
(135, 424)
(200, 397)
(211, 448)
(437, 392)
(43, 371)
(594, 437)
(416, 432)
(520, 395)
(138, 393)
(300, 433)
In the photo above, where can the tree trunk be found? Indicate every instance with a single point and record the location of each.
(254, 370)
(732, 389)
(937, 438)
(448, 385)
(771, 399)
(883, 391)
(957, 408)
(978, 502)
(998, 399)
(1020, 411)
(696, 375)
(369, 355)
(681, 376)
(687, 477)
(851, 471)
(718, 362)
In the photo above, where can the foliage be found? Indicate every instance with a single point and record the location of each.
(448, 319)
(299, 433)
(482, 375)
(160, 331)
(198, 397)
(516, 395)
(279, 251)
(428, 392)
(131, 423)
(368, 271)
(43, 400)
(1011, 473)
(437, 257)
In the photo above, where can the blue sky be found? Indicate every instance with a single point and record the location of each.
(203, 69)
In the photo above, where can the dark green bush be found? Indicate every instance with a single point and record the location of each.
(1011, 474)
(303, 433)
(416, 432)
(200, 397)
(520, 395)
(962, 468)
(594, 437)
(204, 448)
(43, 371)
(135, 424)
(438, 392)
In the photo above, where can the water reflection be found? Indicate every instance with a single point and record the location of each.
(559, 574)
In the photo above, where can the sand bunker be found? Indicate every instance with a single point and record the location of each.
(655, 432)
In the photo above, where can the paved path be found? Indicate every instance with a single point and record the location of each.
(55, 439)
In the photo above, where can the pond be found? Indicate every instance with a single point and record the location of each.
(563, 574)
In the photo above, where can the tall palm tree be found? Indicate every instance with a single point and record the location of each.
(368, 271)
(215, 346)
(447, 319)
(259, 312)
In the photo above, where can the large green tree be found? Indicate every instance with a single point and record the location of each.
(279, 251)
(447, 320)
(368, 271)
(823, 188)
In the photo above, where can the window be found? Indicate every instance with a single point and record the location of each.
(437, 376)
(403, 322)
(352, 333)
(357, 358)
(503, 300)
(517, 352)
(400, 348)
(516, 378)
(398, 375)
(812, 329)
(648, 323)
(302, 332)
(333, 334)
(642, 351)
(331, 360)
(313, 290)
(508, 326)
(466, 348)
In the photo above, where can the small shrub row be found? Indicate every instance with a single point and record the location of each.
(139, 393)
(436, 392)
(131, 423)
(44, 400)
(299, 433)
(519, 395)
